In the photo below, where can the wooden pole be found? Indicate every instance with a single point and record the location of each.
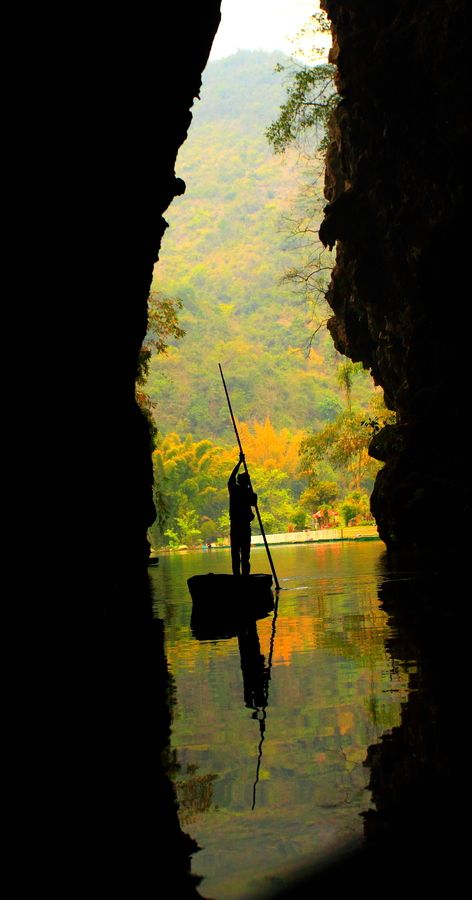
(277, 585)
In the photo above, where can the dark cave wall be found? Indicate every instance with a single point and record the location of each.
(396, 181)
(103, 718)
(139, 90)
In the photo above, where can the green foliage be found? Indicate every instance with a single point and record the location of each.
(319, 493)
(209, 530)
(345, 375)
(355, 509)
(300, 520)
(192, 478)
(226, 255)
(302, 122)
(162, 326)
(344, 444)
(378, 415)
(160, 502)
(173, 540)
(311, 96)
(187, 525)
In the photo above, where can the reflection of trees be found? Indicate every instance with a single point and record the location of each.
(416, 838)
(194, 794)
(357, 638)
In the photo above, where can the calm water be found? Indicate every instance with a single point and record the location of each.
(270, 731)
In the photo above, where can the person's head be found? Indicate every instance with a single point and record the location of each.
(243, 479)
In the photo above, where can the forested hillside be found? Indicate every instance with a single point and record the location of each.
(224, 254)
(301, 413)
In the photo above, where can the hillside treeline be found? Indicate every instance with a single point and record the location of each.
(232, 238)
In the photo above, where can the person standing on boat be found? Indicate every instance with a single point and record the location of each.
(241, 499)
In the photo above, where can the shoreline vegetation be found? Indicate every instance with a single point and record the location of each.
(308, 536)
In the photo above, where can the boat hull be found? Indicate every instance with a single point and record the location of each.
(223, 604)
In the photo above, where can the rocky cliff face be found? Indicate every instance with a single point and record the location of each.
(396, 188)
(137, 87)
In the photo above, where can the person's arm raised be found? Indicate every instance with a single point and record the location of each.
(232, 477)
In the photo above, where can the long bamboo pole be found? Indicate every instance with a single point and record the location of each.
(277, 585)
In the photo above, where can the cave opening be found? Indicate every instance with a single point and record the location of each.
(243, 272)
(386, 293)
(99, 804)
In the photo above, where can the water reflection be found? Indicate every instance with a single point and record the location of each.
(414, 831)
(117, 825)
(258, 693)
(255, 679)
(254, 671)
(262, 802)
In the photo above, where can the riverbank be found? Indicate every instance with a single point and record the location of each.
(319, 535)
(349, 533)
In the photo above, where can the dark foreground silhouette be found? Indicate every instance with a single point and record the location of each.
(102, 808)
(241, 500)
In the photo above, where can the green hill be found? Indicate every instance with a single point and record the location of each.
(224, 254)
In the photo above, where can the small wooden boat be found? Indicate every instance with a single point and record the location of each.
(222, 604)
(221, 585)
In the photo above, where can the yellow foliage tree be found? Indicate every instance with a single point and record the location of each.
(264, 446)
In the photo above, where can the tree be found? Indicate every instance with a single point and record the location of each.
(302, 122)
(344, 443)
(319, 493)
(310, 276)
(187, 526)
(266, 446)
(193, 478)
(345, 375)
(311, 96)
(162, 326)
(299, 519)
(356, 506)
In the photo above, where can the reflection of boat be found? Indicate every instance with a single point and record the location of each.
(222, 604)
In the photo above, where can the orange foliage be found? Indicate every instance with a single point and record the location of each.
(265, 446)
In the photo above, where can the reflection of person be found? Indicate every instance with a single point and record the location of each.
(241, 499)
(252, 667)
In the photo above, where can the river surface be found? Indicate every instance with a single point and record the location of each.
(270, 729)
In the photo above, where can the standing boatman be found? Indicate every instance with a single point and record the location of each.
(241, 499)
